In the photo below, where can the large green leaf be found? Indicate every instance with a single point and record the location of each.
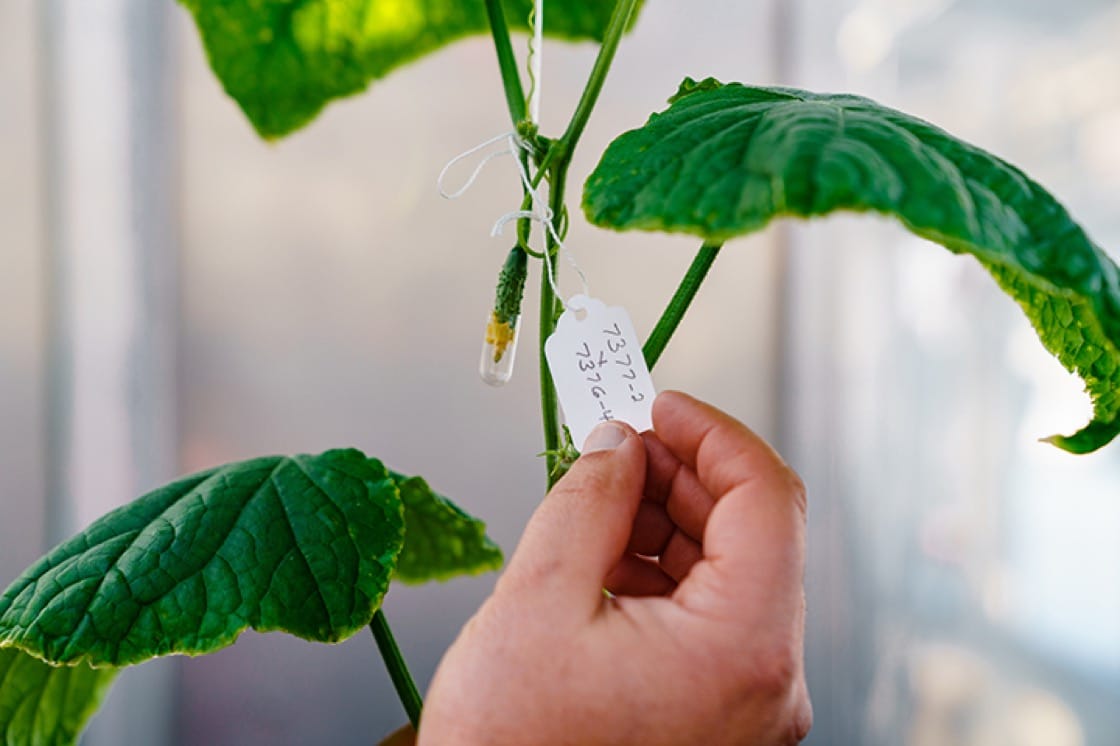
(440, 540)
(45, 705)
(283, 60)
(724, 160)
(305, 544)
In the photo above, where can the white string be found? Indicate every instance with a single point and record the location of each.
(540, 212)
(536, 51)
(477, 169)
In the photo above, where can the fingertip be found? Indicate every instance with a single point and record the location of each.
(655, 447)
(673, 408)
(721, 449)
(607, 436)
(614, 442)
(612, 451)
(669, 399)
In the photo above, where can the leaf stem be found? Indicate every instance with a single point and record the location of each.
(620, 17)
(507, 62)
(680, 302)
(398, 669)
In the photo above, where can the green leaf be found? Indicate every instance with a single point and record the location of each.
(440, 540)
(283, 60)
(45, 705)
(305, 545)
(724, 160)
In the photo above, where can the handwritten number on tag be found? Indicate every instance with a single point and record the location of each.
(597, 377)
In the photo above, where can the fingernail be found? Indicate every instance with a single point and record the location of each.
(604, 437)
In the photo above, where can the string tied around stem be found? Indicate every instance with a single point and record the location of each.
(539, 211)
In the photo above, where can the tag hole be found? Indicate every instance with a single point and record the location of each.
(580, 314)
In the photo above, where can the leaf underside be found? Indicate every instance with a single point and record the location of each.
(284, 60)
(724, 160)
(440, 540)
(45, 705)
(303, 544)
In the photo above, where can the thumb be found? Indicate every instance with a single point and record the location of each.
(580, 531)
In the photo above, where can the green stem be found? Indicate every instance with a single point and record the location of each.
(674, 312)
(398, 669)
(555, 164)
(550, 412)
(507, 62)
(620, 18)
(550, 406)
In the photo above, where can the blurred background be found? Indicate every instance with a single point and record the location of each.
(176, 293)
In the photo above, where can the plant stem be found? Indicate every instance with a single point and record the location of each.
(674, 312)
(550, 407)
(555, 163)
(398, 669)
(550, 411)
(507, 62)
(620, 17)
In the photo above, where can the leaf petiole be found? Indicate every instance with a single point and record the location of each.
(398, 669)
(679, 303)
(620, 18)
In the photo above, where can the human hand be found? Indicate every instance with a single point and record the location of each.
(702, 645)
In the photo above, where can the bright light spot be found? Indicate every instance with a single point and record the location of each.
(1039, 718)
(386, 19)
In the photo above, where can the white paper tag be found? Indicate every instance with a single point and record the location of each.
(597, 365)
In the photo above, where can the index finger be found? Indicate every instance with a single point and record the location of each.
(754, 540)
(722, 451)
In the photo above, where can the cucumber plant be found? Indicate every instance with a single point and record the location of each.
(309, 544)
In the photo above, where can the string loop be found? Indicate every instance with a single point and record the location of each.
(477, 169)
(538, 212)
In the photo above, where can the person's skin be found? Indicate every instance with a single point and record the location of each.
(702, 645)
